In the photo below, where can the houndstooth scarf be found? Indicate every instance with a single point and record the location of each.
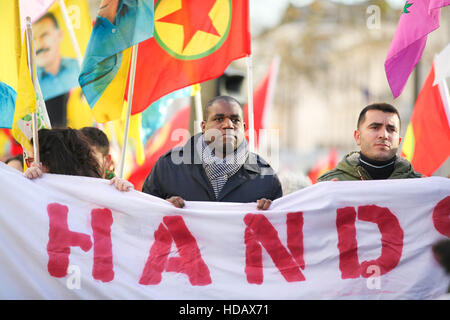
(219, 170)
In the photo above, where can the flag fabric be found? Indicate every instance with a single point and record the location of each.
(194, 41)
(34, 8)
(79, 113)
(434, 4)
(155, 116)
(105, 67)
(58, 62)
(29, 100)
(427, 139)
(9, 60)
(262, 99)
(9, 146)
(418, 19)
(323, 165)
(161, 142)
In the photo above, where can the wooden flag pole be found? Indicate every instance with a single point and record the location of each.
(71, 32)
(129, 103)
(251, 121)
(31, 68)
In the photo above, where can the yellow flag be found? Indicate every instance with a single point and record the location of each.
(25, 102)
(78, 11)
(9, 60)
(79, 113)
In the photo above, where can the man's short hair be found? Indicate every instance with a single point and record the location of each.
(384, 107)
(228, 99)
(96, 138)
(51, 16)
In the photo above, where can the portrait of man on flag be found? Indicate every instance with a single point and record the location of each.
(57, 74)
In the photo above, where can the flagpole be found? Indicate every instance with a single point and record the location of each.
(251, 121)
(31, 68)
(198, 111)
(129, 103)
(69, 26)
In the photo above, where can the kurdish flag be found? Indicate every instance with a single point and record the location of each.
(418, 19)
(427, 139)
(9, 60)
(120, 24)
(194, 41)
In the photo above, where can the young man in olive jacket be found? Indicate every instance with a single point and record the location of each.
(216, 164)
(378, 135)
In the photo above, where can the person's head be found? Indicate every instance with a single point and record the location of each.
(441, 251)
(378, 131)
(100, 146)
(223, 124)
(15, 162)
(47, 37)
(66, 151)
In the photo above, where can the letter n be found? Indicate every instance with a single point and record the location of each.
(391, 240)
(189, 262)
(261, 233)
(60, 239)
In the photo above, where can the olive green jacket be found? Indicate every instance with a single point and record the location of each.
(350, 169)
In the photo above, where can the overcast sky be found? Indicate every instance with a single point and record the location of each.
(267, 13)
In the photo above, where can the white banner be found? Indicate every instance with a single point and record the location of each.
(64, 237)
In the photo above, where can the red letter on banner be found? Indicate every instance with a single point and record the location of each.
(190, 261)
(60, 239)
(391, 240)
(101, 221)
(259, 232)
(441, 216)
(347, 245)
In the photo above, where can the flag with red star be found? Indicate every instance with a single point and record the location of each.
(194, 41)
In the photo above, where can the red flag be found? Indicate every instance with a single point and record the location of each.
(194, 41)
(161, 142)
(427, 140)
(323, 165)
(262, 99)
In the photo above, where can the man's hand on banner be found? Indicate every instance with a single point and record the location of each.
(34, 171)
(121, 184)
(263, 204)
(177, 202)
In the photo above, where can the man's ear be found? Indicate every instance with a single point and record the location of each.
(356, 135)
(203, 125)
(399, 140)
(60, 35)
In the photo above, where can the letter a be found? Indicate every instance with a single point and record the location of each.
(190, 261)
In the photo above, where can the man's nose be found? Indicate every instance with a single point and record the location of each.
(227, 124)
(383, 133)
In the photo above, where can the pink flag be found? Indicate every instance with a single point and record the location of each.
(435, 4)
(34, 9)
(418, 19)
